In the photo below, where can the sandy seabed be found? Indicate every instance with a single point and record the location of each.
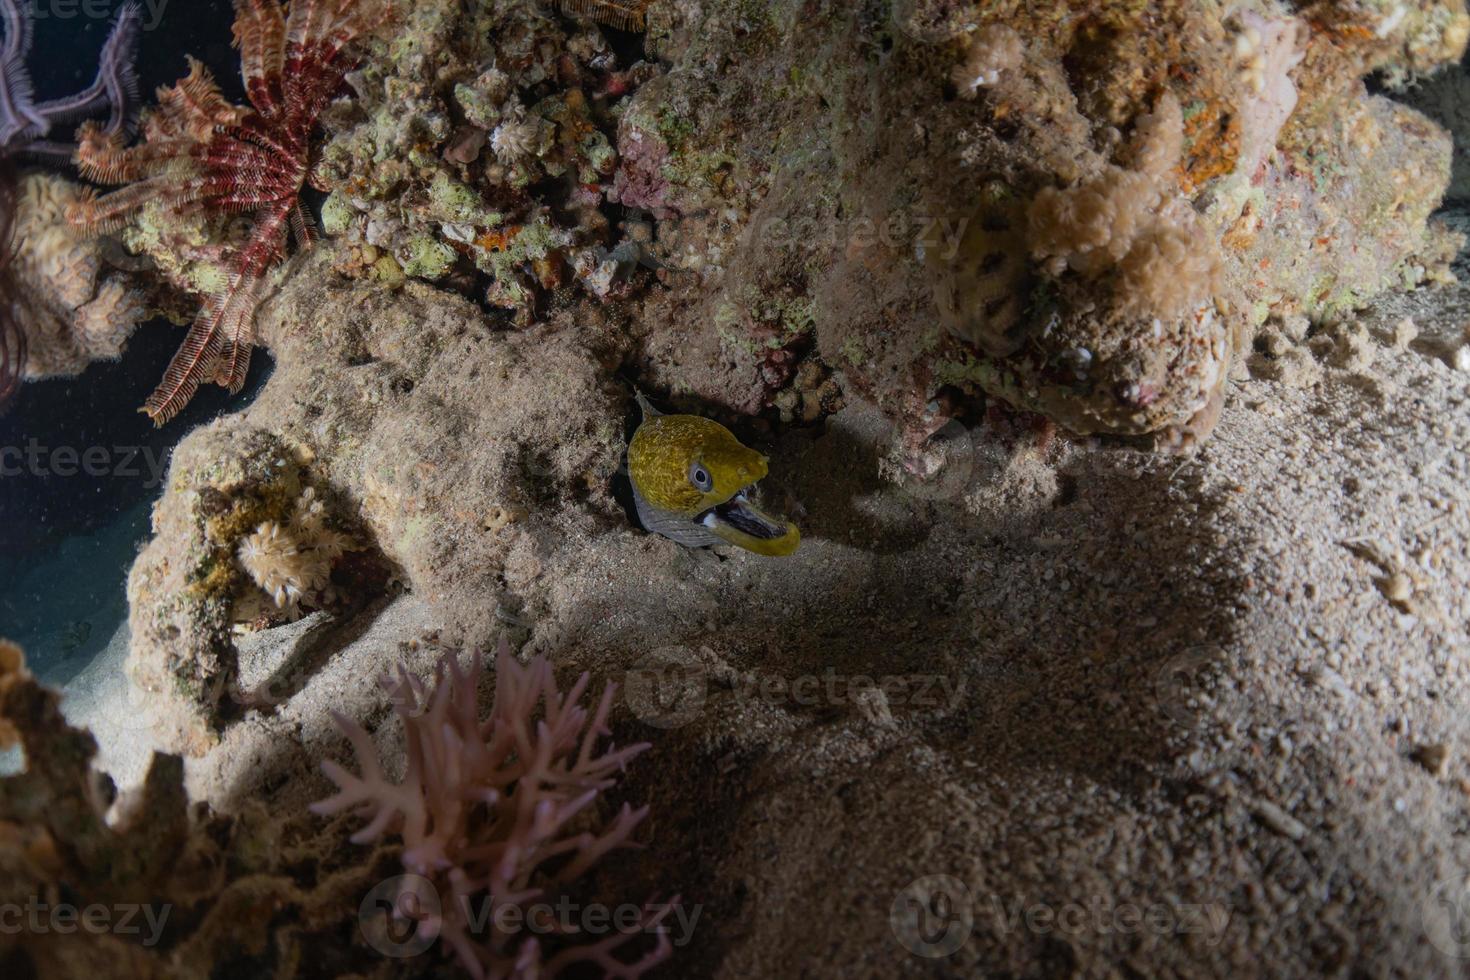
(1127, 714)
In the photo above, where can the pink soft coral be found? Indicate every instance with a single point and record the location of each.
(486, 808)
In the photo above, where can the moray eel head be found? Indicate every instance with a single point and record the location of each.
(692, 483)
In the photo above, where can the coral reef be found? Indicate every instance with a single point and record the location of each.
(914, 151)
(1035, 215)
(263, 544)
(479, 153)
(74, 308)
(1119, 344)
(1044, 606)
(205, 159)
(492, 812)
(276, 890)
(387, 385)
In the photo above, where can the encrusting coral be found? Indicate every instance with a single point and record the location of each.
(479, 153)
(919, 154)
(1131, 228)
(204, 158)
(499, 812)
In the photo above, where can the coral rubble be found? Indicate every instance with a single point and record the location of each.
(481, 143)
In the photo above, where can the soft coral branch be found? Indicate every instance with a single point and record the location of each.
(487, 809)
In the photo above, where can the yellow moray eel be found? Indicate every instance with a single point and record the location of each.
(691, 482)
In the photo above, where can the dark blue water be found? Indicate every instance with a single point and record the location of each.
(79, 466)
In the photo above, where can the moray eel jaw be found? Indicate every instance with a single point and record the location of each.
(740, 522)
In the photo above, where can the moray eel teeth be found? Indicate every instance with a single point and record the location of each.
(740, 522)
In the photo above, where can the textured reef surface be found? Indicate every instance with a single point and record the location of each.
(1108, 354)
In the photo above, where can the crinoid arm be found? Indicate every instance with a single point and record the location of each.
(624, 15)
(203, 156)
(260, 34)
(217, 348)
(220, 341)
(116, 87)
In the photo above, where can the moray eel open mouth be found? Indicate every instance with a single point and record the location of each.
(740, 522)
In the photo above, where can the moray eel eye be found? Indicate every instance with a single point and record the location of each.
(699, 476)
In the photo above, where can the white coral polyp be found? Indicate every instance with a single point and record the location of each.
(273, 560)
(291, 563)
(515, 139)
(992, 51)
